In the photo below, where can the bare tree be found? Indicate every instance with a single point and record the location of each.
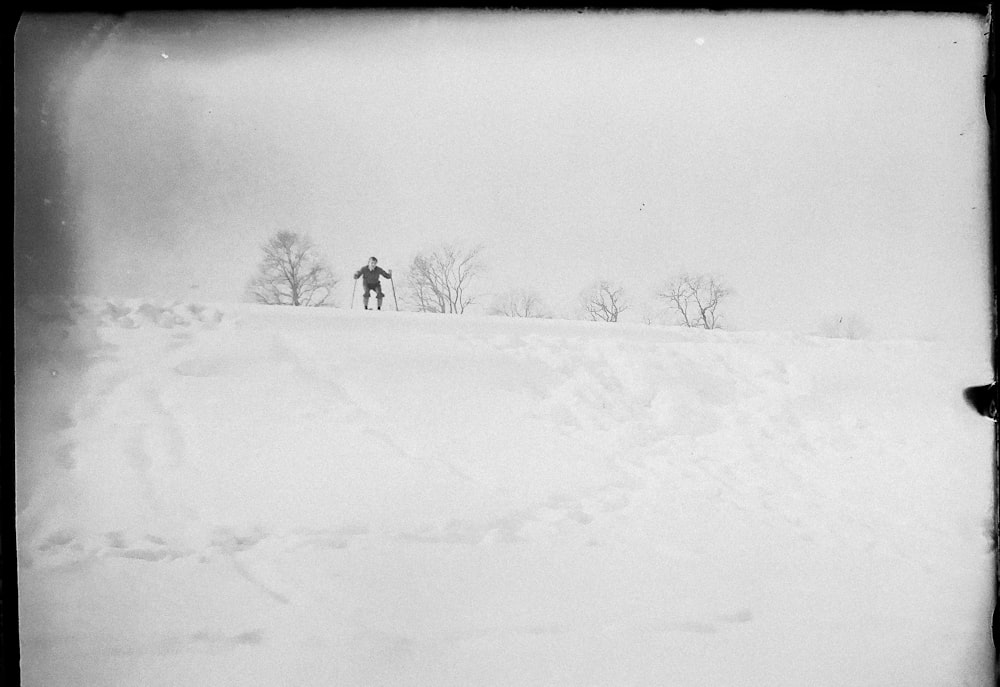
(518, 303)
(439, 281)
(696, 299)
(604, 301)
(849, 326)
(291, 273)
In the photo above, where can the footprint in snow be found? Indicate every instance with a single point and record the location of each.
(705, 627)
(743, 616)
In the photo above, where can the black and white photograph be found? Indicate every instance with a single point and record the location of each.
(503, 348)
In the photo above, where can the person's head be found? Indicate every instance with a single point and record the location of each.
(372, 261)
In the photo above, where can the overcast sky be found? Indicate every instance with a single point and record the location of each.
(819, 163)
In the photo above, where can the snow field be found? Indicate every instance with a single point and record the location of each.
(244, 495)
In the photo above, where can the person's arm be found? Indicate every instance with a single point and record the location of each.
(387, 275)
(358, 273)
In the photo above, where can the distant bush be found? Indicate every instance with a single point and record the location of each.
(518, 303)
(604, 301)
(291, 273)
(848, 326)
(695, 299)
(439, 281)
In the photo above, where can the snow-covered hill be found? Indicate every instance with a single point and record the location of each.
(248, 495)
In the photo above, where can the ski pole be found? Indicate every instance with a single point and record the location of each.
(393, 282)
(353, 291)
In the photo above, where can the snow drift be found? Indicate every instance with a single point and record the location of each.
(250, 495)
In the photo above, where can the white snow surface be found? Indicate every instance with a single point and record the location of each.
(248, 495)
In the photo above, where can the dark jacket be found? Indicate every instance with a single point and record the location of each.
(371, 276)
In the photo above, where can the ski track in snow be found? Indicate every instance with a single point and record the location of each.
(163, 450)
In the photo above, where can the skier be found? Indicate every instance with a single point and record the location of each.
(371, 273)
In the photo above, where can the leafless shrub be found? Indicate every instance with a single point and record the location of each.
(439, 281)
(848, 326)
(518, 303)
(695, 299)
(291, 273)
(604, 301)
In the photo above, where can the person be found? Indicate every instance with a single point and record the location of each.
(371, 282)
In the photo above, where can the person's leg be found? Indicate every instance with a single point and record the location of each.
(378, 295)
(368, 290)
